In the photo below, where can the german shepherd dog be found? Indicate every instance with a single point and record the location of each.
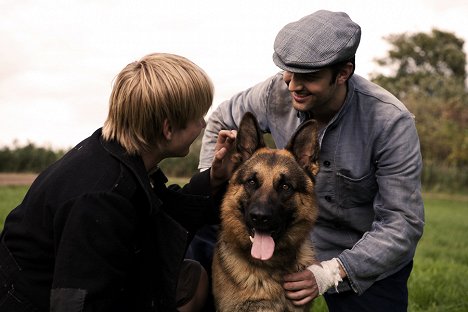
(266, 216)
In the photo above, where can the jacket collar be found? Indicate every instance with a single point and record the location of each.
(135, 165)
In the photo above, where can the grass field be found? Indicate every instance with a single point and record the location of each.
(439, 281)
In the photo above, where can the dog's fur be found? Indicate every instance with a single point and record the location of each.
(270, 192)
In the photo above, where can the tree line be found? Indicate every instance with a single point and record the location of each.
(33, 159)
(28, 158)
(426, 71)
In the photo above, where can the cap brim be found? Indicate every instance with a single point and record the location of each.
(292, 68)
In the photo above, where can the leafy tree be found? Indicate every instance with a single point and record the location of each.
(428, 73)
(429, 64)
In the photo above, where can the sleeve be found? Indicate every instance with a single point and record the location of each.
(228, 115)
(398, 207)
(94, 252)
(193, 205)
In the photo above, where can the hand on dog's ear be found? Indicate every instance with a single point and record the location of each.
(222, 166)
(249, 137)
(305, 147)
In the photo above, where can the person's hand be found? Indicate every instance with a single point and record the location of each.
(301, 288)
(222, 166)
(305, 286)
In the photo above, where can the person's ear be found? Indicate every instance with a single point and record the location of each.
(345, 73)
(167, 130)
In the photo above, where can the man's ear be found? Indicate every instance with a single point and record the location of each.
(345, 73)
(167, 130)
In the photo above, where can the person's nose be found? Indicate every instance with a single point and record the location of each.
(293, 81)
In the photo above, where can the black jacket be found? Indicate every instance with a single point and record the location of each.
(96, 233)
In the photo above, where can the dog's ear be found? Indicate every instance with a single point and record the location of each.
(305, 147)
(249, 137)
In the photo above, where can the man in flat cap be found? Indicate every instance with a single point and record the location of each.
(368, 187)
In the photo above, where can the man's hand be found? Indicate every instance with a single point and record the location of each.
(222, 167)
(301, 288)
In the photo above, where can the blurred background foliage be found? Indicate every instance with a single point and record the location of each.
(426, 71)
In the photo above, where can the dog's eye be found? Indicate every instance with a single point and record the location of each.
(285, 187)
(251, 182)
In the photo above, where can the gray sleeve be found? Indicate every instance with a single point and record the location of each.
(228, 114)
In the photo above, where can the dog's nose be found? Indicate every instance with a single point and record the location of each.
(260, 217)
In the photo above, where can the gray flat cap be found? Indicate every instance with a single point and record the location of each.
(315, 41)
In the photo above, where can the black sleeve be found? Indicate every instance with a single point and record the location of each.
(194, 205)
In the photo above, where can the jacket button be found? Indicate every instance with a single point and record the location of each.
(328, 198)
(326, 163)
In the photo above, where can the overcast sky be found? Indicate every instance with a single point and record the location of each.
(58, 58)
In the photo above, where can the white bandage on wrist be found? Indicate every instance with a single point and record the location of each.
(326, 275)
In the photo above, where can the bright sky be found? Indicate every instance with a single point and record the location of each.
(58, 58)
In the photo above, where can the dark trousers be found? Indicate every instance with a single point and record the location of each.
(389, 294)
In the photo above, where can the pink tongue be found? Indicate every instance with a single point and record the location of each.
(262, 246)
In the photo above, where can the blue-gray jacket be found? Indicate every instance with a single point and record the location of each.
(368, 188)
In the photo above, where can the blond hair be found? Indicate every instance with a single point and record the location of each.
(159, 86)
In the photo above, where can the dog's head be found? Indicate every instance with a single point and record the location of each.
(270, 204)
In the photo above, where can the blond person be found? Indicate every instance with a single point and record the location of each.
(99, 230)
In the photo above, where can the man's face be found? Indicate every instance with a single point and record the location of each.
(179, 146)
(312, 91)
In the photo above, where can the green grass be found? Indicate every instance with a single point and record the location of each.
(439, 281)
(440, 276)
(10, 197)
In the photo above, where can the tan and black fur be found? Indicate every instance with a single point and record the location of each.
(272, 192)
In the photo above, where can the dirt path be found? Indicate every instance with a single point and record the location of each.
(16, 178)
